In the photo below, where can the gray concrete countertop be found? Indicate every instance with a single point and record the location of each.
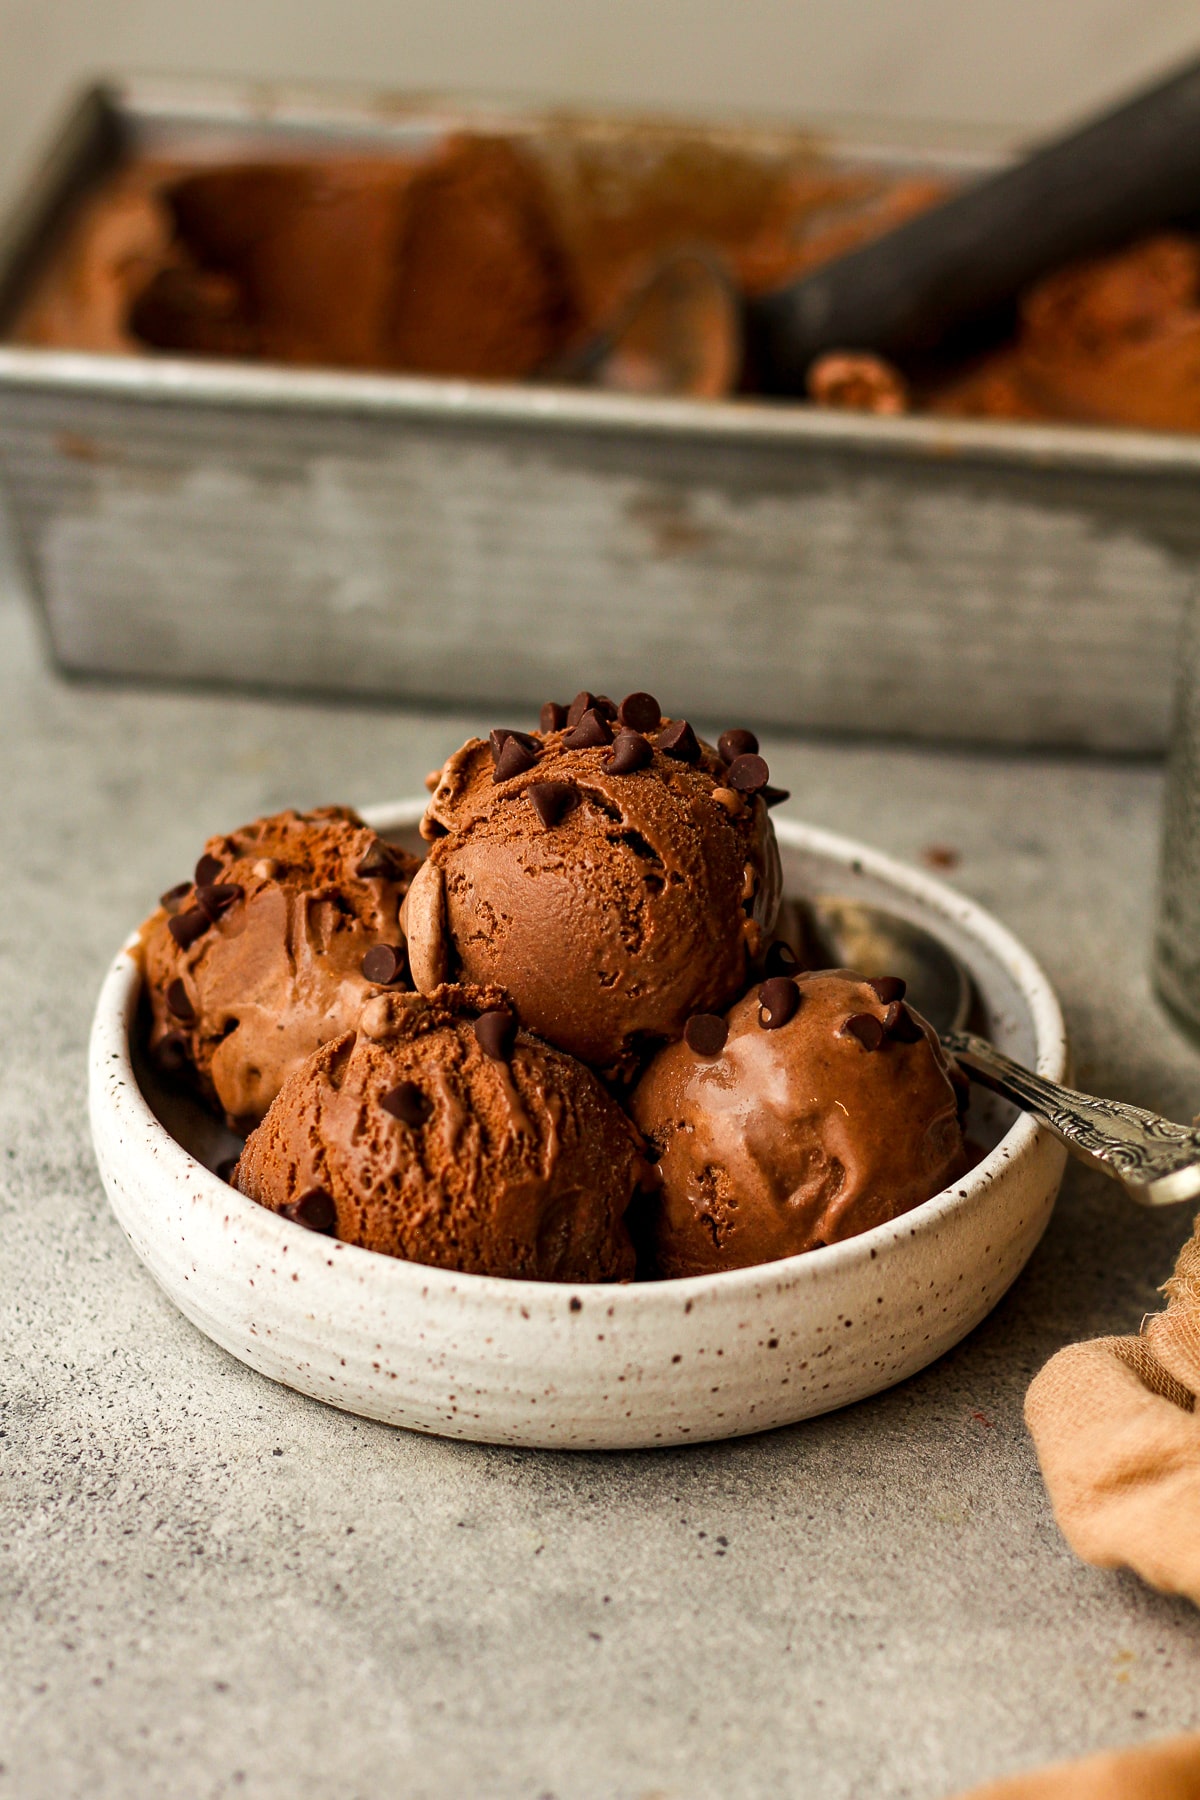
(211, 1586)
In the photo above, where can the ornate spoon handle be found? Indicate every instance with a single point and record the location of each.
(1157, 1161)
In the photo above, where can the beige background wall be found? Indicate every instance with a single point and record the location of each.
(1020, 63)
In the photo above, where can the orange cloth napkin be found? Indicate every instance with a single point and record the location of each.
(1169, 1770)
(1118, 1437)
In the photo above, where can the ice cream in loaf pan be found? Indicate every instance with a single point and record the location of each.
(1108, 340)
(449, 265)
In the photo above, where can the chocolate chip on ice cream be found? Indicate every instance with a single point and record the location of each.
(630, 753)
(314, 1210)
(705, 1034)
(612, 923)
(384, 964)
(592, 731)
(407, 1103)
(747, 774)
(735, 743)
(496, 1033)
(889, 988)
(431, 1147)
(640, 712)
(511, 757)
(778, 1002)
(552, 800)
(261, 966)
(866, 1029)
(680, 742)
(802, 1134)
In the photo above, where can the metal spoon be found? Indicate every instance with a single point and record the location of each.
(1156, 1160)
(845, 934)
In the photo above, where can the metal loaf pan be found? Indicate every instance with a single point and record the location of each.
(458, 541)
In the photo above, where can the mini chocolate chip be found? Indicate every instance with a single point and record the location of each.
(172, 1053)
(552, 800)
(680, 741)
(218, 897)
(641, 712)
(174, 897)
(705, 1034)
(500, 736)
(747, 774)
(314, 1210)
(187, 926)
(782, 959)
(866, 1028)
(553, 716)
(514, 758)
(384, 963)
(630, 752)
(178, 1003)
(735, 743)
(226, 1169)
(773, 796)
(888, 987)
(605, 707)
(406, 1103)
(779, 1001)
(891, 1017)
(494, 1033)
(906, 1030)
(592, 731)
(207, 870)
(377, 861)
(582, 703)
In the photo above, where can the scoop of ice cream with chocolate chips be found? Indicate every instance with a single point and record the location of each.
(442, 1133)
(612, 872)
(270, 950)
(819, 1106)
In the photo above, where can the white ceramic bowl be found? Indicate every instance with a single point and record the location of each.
(602, 1367)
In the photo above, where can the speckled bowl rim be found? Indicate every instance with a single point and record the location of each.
(264, 1232)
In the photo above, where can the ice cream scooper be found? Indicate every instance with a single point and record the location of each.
(1156, 1160)
(1133, 169)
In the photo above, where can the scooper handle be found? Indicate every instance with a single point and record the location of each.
(1156, 1160)
(1131, 170)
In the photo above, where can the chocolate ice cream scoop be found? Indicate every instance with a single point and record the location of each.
(818, 1107)
(1112, 339)
(482, 286)
(309, 249)
(613, 874)
(271, 950)
(440, 1133)
(448, 264)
